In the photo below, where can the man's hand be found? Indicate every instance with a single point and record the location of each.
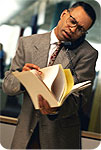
(44, 106)
(29, 66)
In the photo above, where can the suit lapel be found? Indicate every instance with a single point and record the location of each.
(41, 50)
(63, 58)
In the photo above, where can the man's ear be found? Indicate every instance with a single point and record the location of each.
(64, 13)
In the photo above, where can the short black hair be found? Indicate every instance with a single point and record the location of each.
(88, 9)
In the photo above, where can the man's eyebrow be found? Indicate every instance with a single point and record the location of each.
(74, 19)
(77, 22)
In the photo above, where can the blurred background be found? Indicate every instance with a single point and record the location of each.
(26, 17)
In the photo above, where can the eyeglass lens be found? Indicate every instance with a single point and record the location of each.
(73, 23)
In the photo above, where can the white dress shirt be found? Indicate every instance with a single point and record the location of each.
(53, 45)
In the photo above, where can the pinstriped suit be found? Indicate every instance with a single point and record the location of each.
(63, 130)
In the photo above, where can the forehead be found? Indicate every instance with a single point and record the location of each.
(81, 16)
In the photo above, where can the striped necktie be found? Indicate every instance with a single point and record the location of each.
(55, 53)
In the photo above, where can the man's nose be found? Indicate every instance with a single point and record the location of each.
(73, 29)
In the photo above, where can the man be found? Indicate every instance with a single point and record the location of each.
(57, 128)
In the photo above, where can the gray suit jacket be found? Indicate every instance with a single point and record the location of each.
(63, 130)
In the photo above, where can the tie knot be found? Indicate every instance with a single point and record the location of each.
(58, 43)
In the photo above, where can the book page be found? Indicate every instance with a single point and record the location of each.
(69, 83)
(81, 86)
(58, 85)
(49, 75)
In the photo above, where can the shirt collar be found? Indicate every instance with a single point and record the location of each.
(53, 38)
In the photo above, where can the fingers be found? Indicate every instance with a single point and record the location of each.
(25, 68)
(29, 66)
(44, 106)
(32, 66)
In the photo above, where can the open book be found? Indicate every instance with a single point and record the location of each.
(55, 85)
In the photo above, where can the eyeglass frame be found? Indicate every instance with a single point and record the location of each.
(76, 24)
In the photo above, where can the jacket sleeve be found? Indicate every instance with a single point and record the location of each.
(85, 70)
(84, 67)
(11, 85)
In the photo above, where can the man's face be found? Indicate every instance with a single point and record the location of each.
(72, 25)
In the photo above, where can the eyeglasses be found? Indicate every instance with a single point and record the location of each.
(71, 22)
